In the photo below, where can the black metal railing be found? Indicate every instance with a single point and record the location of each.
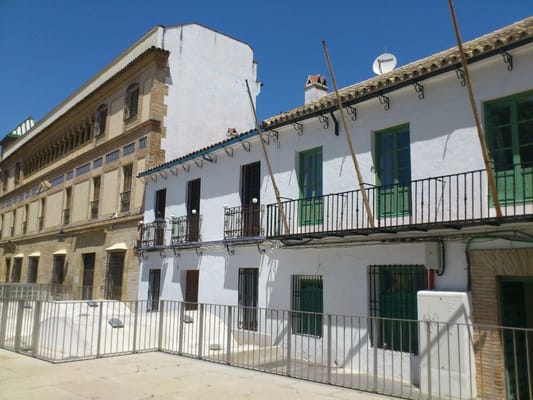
(125, 198)
(449, 201)
(94, 209)
(153, 234)
(66, 216)
(186, 229)
(243, 221)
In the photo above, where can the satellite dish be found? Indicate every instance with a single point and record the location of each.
(384, 63)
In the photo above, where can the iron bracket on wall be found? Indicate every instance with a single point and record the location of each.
(212, 158)
(186, 167)
(385, 101)
(419, 88)
(260, 250)
(324, 120)
(461, 76)
(246, 145)
(163, 174)
(352, 112)
(199, 163)
(335, 122)
(229, 151)
(229, 250)
(299, 128)
(508, 60)
(176, 252)
(174, 171)
(198, 251)
(273, 134)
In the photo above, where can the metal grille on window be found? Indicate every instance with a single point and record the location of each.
(248, 282)
(307, 305)
(393, 301)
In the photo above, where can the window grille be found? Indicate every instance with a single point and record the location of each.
(130, 148)
(112, 156)
(142, 142)
(83, 169)
(307, 304)
(248, 288)
(393, 299)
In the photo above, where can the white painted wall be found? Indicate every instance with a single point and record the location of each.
(443, 141)
(206, 88)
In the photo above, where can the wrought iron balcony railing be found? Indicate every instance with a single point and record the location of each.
(186, 229)
(449, 201)
(153, 234)
(243, 222)
(94, 209)
(125, 198)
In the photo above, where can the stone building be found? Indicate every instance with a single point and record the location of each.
(69, 201)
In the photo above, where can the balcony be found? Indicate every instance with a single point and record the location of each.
(153, 234)
(449, 201)
(243, 222)
(125, 201)
(94, 209)
(66, 216)
(186, 229)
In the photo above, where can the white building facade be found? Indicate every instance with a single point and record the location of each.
(213, 231)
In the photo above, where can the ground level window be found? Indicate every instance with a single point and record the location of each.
(58, 274)
(307, 305)
(393, 291)
(32, 269)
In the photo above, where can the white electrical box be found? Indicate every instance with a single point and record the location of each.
(446, 354)
(433, 255)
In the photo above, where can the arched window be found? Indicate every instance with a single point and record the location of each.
(132, 101)
(100, 118)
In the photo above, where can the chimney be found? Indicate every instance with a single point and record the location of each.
(315, 88)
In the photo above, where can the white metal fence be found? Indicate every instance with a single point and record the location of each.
(410, 359)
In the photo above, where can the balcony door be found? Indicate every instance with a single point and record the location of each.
(250, 198)
(393, 167)
(193, 210)
(191, 289)
(310, 210)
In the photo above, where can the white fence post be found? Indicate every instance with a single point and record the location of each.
(328, 322)
(36, 327)
(3, 322)
(289, 329)
(18, 326)
(228, 335)
(200, 330)
(181, 327)
(135, 319)
(99, 338)
(161, 325)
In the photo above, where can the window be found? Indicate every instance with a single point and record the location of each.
(32, 269)
(131, 101)
(509, 123)
(142, 142)
(128, 149)
(248, 284)
(393, 171)
(125, 195)
(310, 182)
(68, 203)
(42, 212)
(100, 119)
(82, 169)
(114, 155)
(17, 269)
(18, 169)
(307, 305)
(96, 197)
(97, 163)
(5, 178)
(393, 291)
(160, 203)
(58, 275)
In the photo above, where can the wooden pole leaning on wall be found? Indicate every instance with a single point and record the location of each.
(486, 159)
(369, 214)
(265, 153)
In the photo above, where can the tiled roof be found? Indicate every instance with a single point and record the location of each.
(503, 39)
(515, 34)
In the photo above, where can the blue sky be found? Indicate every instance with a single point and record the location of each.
(49, 48)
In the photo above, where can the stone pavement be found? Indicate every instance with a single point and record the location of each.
(152, 376)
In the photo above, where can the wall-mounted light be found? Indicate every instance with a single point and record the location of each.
(193, 211)
(61, 235)
(254, 200)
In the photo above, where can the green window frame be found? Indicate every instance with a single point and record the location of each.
(509, 132)
(307, 305)
(393, 171)
(393, 300)
(310, 205)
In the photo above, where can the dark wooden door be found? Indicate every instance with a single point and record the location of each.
(193, 210)
(88, 276)
(154, 283)
(250, 198)
(115, 270)
(191, 289)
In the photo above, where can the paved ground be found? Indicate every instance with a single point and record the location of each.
(152, 376)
